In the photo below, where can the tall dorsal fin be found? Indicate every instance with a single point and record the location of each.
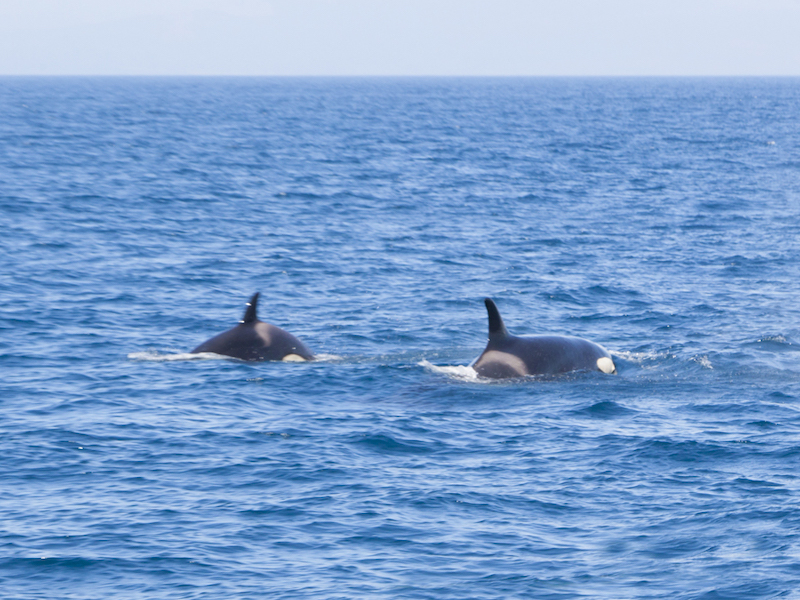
(250, 312)
(497, 329)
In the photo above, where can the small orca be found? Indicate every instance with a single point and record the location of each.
(253, 339)
(507, 355)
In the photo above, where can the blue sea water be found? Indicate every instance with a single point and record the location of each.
(658, 217)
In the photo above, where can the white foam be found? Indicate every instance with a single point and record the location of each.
(155, 356)
(327, 357)
(703, 362)
(639, 357)
(774, 338)
(456, 371)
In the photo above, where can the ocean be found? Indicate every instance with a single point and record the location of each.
(657, 217)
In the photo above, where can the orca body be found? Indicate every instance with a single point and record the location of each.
(507, 355)
(255, 340)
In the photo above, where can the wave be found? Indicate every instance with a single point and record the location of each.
(640, 357)
(156, 356)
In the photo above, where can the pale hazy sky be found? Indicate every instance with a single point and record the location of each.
(400, 37)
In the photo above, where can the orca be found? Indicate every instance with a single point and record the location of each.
(255, 340)
(507, 355)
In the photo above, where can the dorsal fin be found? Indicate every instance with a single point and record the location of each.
(250, 312)
(497, 329)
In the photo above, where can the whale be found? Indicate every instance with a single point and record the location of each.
(509, 356)
(255, 340)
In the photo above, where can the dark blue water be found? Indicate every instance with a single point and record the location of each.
(660, 218)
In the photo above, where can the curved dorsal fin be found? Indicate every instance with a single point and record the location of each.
(497, 329)
(250, 311)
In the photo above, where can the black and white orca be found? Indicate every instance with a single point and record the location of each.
(507, 355)
(255, 340)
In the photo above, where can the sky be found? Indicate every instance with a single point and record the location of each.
(400, 37)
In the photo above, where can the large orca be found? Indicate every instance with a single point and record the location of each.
(507, 355)
(252, 339)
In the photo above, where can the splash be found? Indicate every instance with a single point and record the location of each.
(641, 357)
(156, 356)
(459, 372)
(703, 361)
(328, 358)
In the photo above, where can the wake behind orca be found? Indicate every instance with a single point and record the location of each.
(253, 339)
(507, 355)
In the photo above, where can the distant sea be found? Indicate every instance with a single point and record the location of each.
(658, 217)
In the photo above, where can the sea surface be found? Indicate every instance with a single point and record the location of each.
(657, 217)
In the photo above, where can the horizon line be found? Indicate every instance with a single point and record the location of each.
(404, 76)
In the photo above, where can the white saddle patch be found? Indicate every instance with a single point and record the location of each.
(512, 361)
